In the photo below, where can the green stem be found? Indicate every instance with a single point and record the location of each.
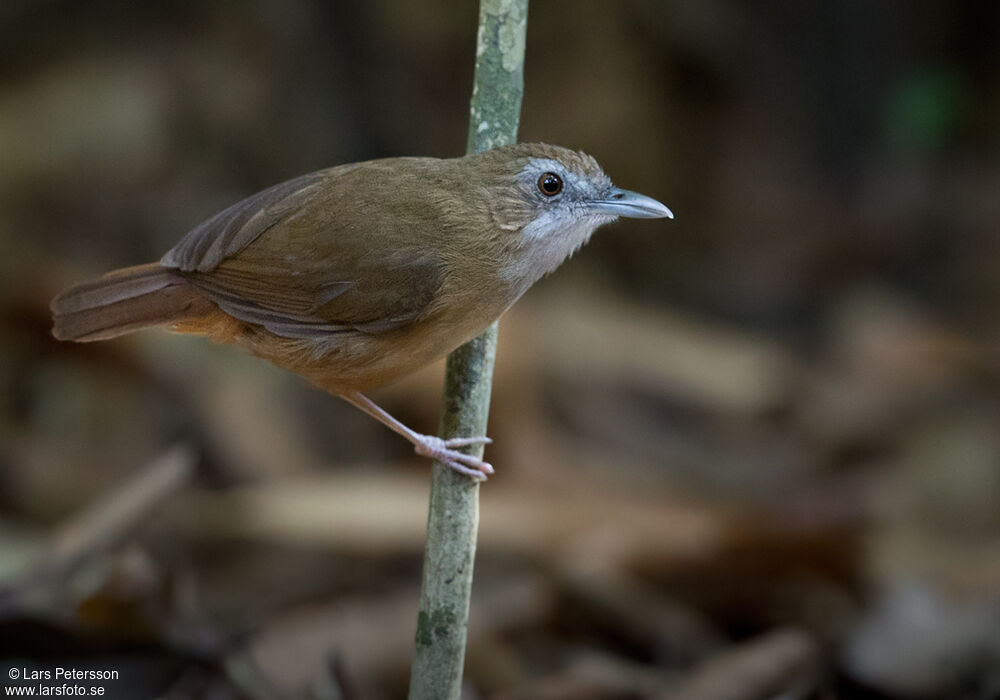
(453, 514)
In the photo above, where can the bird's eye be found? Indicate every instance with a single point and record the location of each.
(550, 184)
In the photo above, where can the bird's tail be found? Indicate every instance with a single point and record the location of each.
(124, 301)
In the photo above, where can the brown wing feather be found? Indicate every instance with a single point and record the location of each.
(281, 259)
(236, 227)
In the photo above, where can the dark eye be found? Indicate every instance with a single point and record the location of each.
(550, 184)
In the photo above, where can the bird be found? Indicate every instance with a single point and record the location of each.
(357, 275)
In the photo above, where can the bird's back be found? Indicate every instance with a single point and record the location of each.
(341, 275)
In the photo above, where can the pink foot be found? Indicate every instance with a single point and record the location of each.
(444, 451)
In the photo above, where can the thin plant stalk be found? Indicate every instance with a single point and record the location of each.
(453, 513)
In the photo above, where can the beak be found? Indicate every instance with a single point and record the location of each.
(630, 204)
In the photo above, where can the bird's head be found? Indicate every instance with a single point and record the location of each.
(551, 199)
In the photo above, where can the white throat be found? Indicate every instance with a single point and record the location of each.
(550, 240)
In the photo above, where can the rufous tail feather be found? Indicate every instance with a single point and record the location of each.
(124, 301)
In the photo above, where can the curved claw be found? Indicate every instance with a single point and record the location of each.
(442, 450)
(462, 469)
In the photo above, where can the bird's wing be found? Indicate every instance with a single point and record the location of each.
(282, 260)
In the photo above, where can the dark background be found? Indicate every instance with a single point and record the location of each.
(753, 452)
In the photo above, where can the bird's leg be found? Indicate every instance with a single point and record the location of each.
(429, 445)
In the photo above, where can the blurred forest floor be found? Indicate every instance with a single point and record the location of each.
(752, 453)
